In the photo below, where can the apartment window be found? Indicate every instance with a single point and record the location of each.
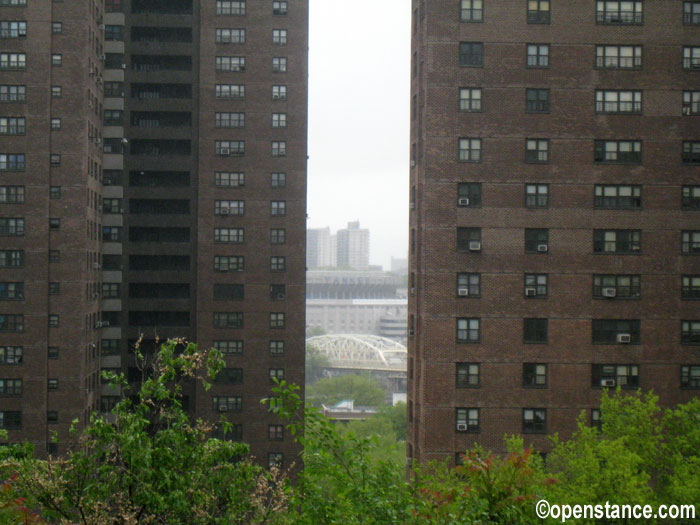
(113, 6)
(534, 420)
(13, 29)
(617, 241)
(10, 291)
(690, 376)
(230, 36)
(11, 258)
(54, 223)
(275, 432)
(229, 179)
(228, 320)
(537, 100)
(617, 196)
(277, 292)
(536, 240)
(468, 330)
(229, 120)
(536, 285)
(229, 347)
(278, 208)
(617, 286)
(611, 376)
(229, 7)
(279, 92)
(276, 319)
(618, 151)
(227, 403)
(229, 263)
(471, 54)
(279, 64)
(279, 120)
(111, 290)
(538, 12)
(52, 384)
(278, 264)
(110, 347)
(537, 150)
(55, 124)
(276, 459)
(11, 194)
(229, 208)
(278, 236)
(279, 149)
(618, 57)
(616, 331)
(115, 33)
(56, 59)
(616, 12)
(278, 180)
(468, 375)
(12, 125)
(534, 375)
(12, 162)
(617, 101)
(13, 93)
(279, 8)
(691, 13)
(276, 374)
(229, 376)
(56, 91)
(535, 330)
(276, 348)
(54, 256)
(229, 235)
(229, 63)
(536, 195)
(467, 419)
(11, 355)
(468, 285)
(691, 57)
(470, 99)
(54, 192)
(54, 320)
(690, 242)
(13, 61)
(55, 159)
(279, 37)
(595, 419)
(229, 148)
(691, 102)
(468, 239)
(469, 194)
(10, 420)
(469, 150)
(471, 11)
(690, 287)
(691, 152)
(113, 117)
(11, 227)
(10, 387)
(690, 332)
(230, 91)
(538, 55)
(13, 3)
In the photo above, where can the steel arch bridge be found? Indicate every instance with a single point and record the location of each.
(361, 352)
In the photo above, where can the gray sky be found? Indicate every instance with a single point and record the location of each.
(359, 98)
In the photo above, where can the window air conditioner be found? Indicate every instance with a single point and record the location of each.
(475, 246)
(224, 211)
(96, 265)
(102, 26)
(607, 382)
(461, 427)
(98, 324)
(105, 324)
(463, 201)
(530, 292)
(463, 292)
(624, 338)
(609, 292)
(98, 140)
(224, 152)
(223, 409)
(103, 57)
(542, 247)
(280, 297)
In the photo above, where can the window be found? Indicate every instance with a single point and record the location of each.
(13, 61)
(278, 264)
(10, 387)
(229, 120)
(234, 347)
(10, 420)
(469, 150)
(55, 124)
(279, 37)
(536, 195)
(691, 101)
(10, 227)
(229, 7)
(56, 91)
(229, 208)
(228, 63)
(691, 13)
(690, 287)
(278, 208)
(228, 320)
(467, 419)
(535, 330)
(227, 403)
(12, 93)
(276, 373)
(52, 352)
(470, 99)
(113, 117)
(468, 375)
(691, 57)
(538, 55)
(11, 323)
(690, 332)
(468, 330)
(111, 290)
(114, 33)
(275, 432)
(229, 235)
(690, 242)
(537, 100)
(616, 101)
(534, 420)
(618, 57)
(53, 320)
(276, 319)
(11, 258)
(54, 256)
(230, 91)
(276, 459)
(279, 64)
(54, 192)
(277, 292)
(228, 263)
(11, 194)
(229, 292)
(468, 239)
(538, 12)
(12, 125)
(110, 347)
(13, 3)
(616, 331)
(278, 236)
(11, 355)
(537, 150)
(469, 194)
(11, 291)
(55, 159)
(471, 11)
(534, 375)
(618, 151)
(229, 376)
(279, 149)
(279, 120)
(617, 241)
(595, 419)
(12, 162)
(617, 196)
(13, 29)
(278, 180)
(690, 376)
(691, 152)
(56, 59)
(616, 286)
(230, 36)
(536, 285)
(468, 285)
(54, 223)
(536, 240)
(611, 376)
(279, 8)
(113, 6)
(616, 12)
(52, 384)
(228, 179)
(471, 54)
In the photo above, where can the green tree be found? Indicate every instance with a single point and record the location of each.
(360, 389)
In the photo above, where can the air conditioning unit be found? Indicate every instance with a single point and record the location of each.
(224, 211)
(224, 152)
(99, 207)
(635, 247)
(123, 66)
(105, 324)
(98, 140)
(463, 202)
(275, 96)
(102, 26)
(530, 291)
(461, 427)
(542, 247)
(463, 292)
(96, 266)
(609, 292)
(98, 324)
(223, 409)
(686, 110)
(280, 297)
(474, 246)
(607, 382)
(624, 338)
(103, 57)
(99, 79)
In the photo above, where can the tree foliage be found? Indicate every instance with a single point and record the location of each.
(363, 390)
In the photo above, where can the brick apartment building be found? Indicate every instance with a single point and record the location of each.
(555, 214)
(153, 171)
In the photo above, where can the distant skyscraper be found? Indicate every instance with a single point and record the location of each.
(353, 247)
(318, 248)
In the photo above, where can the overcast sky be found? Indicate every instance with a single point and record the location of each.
(359, 91)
